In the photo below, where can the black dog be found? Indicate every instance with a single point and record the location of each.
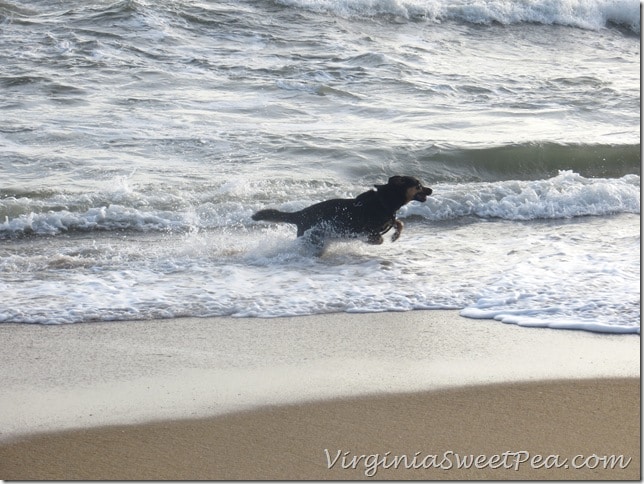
(370, 214)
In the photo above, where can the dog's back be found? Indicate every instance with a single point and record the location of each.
(342, 216)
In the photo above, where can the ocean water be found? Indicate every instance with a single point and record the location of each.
(137, 138)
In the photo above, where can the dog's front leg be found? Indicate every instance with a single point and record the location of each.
(398, 230)
(375, 239)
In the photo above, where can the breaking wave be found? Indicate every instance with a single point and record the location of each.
(588, 14)
(565, 195)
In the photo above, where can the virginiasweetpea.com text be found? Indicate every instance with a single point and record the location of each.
(510, 460)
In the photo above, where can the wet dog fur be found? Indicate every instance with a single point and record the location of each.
(371, 214)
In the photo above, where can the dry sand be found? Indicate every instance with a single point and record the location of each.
(226, 398)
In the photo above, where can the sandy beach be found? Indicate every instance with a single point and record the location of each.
(416, 394)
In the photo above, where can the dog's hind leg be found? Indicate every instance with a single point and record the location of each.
(316, 240)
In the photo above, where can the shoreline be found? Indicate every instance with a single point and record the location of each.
(100, 387)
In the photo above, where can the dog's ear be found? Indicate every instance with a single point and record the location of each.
(395, 180)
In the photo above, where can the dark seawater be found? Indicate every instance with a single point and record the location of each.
(137, 138)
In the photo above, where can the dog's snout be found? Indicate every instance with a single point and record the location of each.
(421, 193)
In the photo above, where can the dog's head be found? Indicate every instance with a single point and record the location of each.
(411, 188)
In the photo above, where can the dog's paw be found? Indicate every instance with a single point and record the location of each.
(375, 239)
(399, 227)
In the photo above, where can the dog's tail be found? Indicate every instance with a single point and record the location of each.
(271, 215)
